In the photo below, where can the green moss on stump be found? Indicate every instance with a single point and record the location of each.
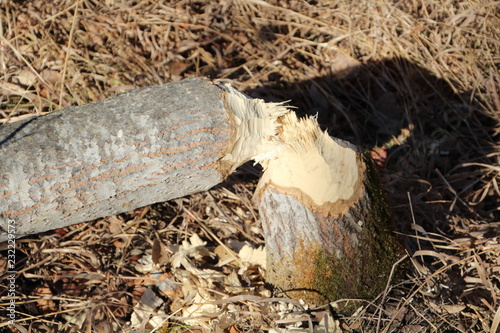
(361, 273)
(364, 274)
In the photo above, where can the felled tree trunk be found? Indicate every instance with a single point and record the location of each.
(327, 228)
(135, 149)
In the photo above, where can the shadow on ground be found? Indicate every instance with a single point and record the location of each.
(429, 131)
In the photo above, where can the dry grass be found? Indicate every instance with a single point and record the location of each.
(416, 82)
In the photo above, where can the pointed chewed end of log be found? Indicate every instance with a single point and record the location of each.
(255, 125)
(324, 173)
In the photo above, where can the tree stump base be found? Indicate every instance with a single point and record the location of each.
(328, 230)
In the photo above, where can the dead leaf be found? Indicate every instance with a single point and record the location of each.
(26, 78)
(454, 308)
(233, 329)
(114, 224)
(159, 253)
(51, 77)
(44, 303)
(145, 310)
(341, 64)
(225, 257)
(412, 329)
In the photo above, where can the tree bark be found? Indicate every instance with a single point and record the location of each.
(132, 150)
(328, 231)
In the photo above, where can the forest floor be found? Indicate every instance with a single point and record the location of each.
(416, 83)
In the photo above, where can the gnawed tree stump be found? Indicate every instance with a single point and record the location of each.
(326, 226)
(328, 231)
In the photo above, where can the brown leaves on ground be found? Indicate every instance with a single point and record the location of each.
(414, 83)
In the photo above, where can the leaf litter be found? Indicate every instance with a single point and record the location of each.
(416, 83)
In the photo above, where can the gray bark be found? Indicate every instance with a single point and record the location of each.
(132, 150)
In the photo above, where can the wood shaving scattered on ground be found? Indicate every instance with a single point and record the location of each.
(414, 83)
